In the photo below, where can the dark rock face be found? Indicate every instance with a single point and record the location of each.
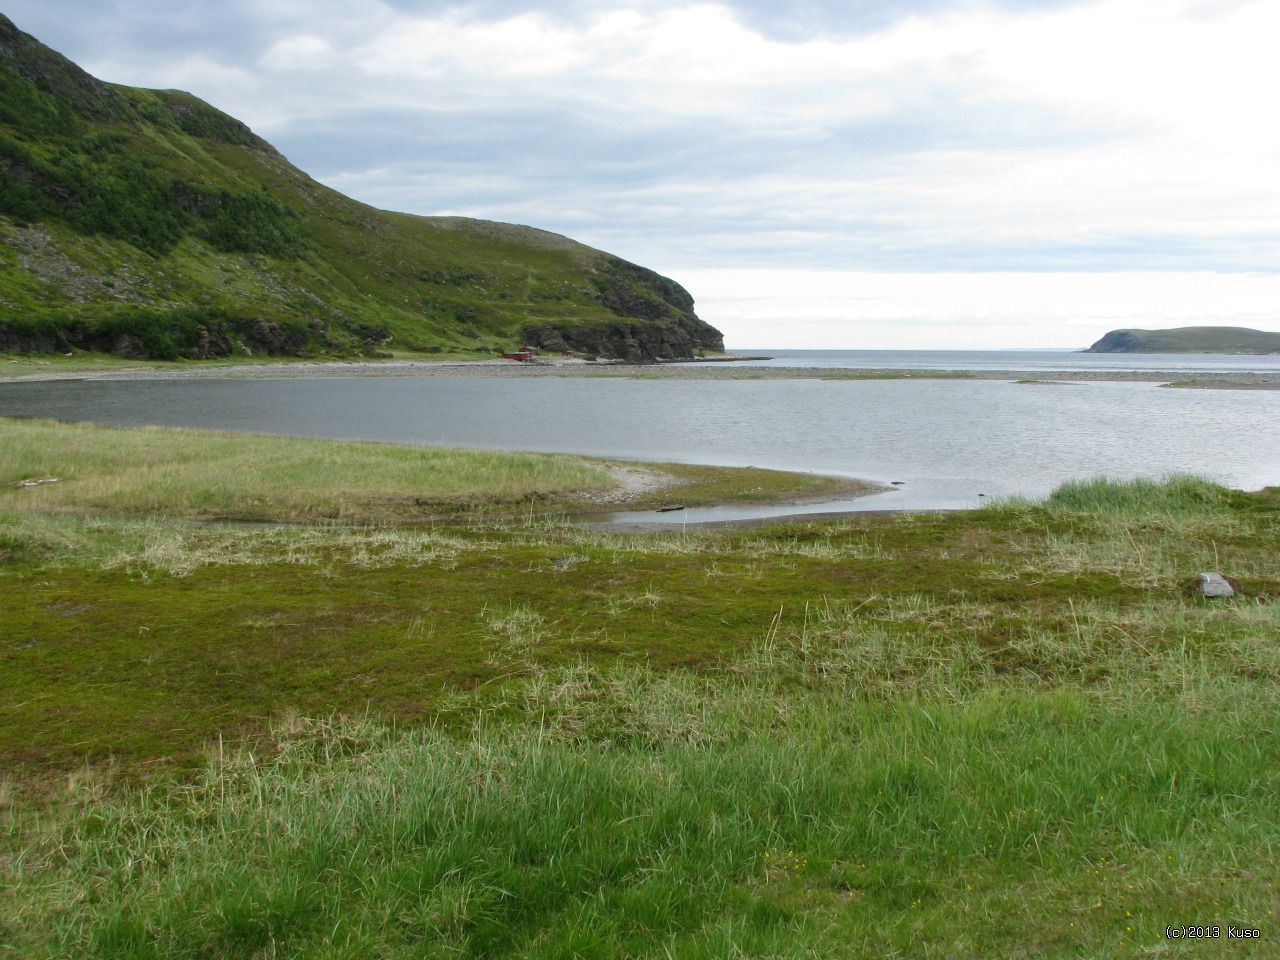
(189, 338)
(275, 340)
(1117, 341)
(548, 338)
(657, 319)
(211, 341)
(18, 341)
(638, 341)
(656, 322)
(629, 290)
(131, 348)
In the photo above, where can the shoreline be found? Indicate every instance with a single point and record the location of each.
(749, 523)
(707, 369)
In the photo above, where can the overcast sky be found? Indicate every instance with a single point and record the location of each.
(843, 173)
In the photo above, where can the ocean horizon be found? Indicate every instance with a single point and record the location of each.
(1014, 359)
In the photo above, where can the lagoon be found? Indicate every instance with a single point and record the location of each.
(949, 443)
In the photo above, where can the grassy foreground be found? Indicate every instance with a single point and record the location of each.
(1008, 732)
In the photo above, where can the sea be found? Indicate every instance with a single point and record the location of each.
(1075, 361)
(933, 443)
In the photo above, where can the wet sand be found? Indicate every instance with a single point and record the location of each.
(668, 526)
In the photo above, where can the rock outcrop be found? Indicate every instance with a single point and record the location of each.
(657, 320)
(634, 341)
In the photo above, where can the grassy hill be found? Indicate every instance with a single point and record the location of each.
(1189, 340)
(148, 224)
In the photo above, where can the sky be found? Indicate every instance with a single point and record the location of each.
(822, 173)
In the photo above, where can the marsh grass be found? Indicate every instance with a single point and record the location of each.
(1179, 494)
(179, 549)
(187, 473)
(1000, 733)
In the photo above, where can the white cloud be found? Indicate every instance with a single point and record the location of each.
(1107, 135)
(1148, 121)
(980, 311)
(302, 52)
(518, 48)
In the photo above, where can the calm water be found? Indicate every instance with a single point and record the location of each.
(1061, 360)
(949, 441)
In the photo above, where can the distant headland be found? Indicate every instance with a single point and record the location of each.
(1189, 340)
(148, 225)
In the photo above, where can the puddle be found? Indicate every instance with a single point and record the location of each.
(923, 495)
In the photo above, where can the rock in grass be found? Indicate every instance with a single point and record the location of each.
(1215, 585)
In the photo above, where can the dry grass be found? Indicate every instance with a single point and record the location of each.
(193, 474)
(51, 468)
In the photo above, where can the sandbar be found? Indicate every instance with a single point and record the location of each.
(25, 369)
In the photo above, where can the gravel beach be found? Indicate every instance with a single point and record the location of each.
(33, 370)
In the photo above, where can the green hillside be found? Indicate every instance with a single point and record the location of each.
(148, 224)
(1189, 340)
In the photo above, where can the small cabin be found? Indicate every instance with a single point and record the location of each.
(524, 354)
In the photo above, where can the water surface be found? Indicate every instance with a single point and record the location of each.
(1022, 360)
(952, 443)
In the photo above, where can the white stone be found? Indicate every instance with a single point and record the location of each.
(1215, 585)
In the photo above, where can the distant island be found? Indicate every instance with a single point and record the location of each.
(1189, 340)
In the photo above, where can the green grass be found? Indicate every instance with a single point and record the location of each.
(1190, 340)
(1176, 496)
(851, 831)
(200, 475)
(1005, 732)
(14, 366)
